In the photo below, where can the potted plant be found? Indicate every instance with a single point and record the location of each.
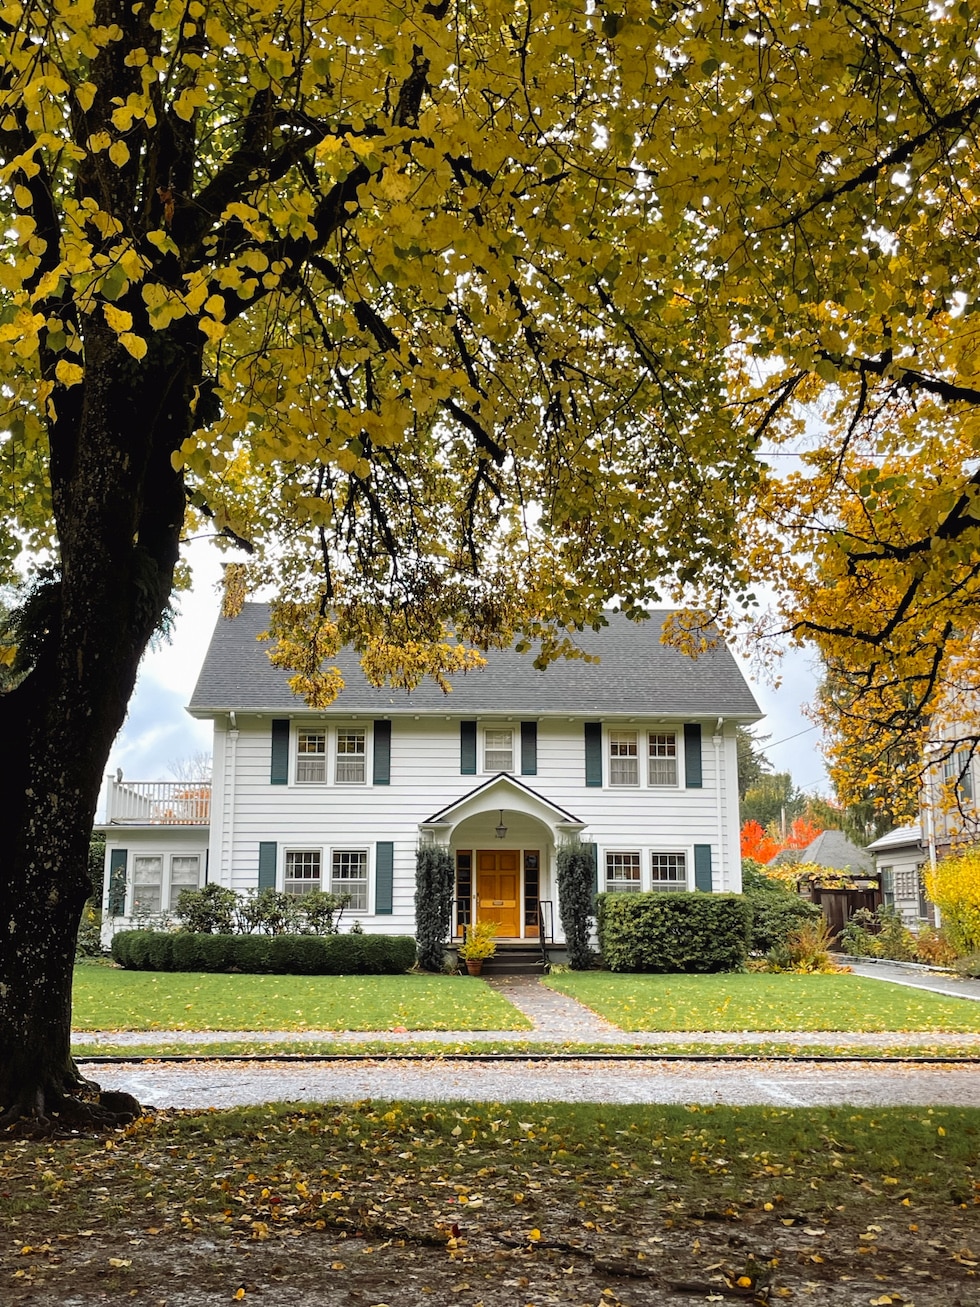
(480, 942)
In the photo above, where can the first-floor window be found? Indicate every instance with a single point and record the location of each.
(147, 884)
(185, 873)
(669, 871)
(302, 871)
(349, 875)
(623, 871)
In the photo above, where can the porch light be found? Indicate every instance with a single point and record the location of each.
(500, 830)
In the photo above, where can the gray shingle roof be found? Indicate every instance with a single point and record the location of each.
(637, 674)
(832, 849)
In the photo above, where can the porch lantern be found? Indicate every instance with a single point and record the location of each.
(500, 830)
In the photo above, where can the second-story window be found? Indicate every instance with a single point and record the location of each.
(311, 757)
(662, 747)
(624, 762)
(958, 775)
(351, 755)
(498, 749)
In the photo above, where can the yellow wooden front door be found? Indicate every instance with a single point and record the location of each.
(498, 890)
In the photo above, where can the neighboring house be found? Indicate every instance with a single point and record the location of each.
(948, 810)
(634, 755)
(899, 859)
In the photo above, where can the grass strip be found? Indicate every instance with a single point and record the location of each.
(381, 1048)
(759, 1002)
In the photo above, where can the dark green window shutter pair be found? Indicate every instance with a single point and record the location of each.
(117, 882)
(384, 872)
(467, 748)
(693, 777)
(280, 752)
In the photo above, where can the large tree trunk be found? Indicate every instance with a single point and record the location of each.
(119, 507)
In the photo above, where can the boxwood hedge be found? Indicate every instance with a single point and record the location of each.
(300, 955)
(674, 932)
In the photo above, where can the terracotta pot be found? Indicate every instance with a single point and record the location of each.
(474, 966)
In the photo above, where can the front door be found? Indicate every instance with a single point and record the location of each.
(498, 890)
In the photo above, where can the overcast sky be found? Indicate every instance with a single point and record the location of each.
(159, 732)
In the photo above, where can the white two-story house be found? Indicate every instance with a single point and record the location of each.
(635, 756)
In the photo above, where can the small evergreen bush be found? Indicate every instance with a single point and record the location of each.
(687, 932)
(435, 887)
(577, 901)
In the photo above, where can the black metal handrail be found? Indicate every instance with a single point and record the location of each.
(546, 934)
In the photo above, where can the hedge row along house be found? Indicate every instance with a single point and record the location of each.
(633, 755)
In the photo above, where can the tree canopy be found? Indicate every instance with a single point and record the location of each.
(469, 319)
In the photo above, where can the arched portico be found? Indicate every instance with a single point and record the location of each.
(503, 837)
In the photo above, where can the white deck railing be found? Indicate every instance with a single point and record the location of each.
(165, 803)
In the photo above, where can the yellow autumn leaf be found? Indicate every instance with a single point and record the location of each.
(118, 319)
(134, 344)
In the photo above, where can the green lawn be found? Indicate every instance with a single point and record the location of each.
(106, 998)
(764, 1002)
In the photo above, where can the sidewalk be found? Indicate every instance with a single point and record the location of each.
(560, 1020)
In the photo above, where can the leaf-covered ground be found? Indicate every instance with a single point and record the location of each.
(402, 1204)
(765, 1003)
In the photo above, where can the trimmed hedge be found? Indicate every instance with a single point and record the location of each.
(297, 955)
(673, 932)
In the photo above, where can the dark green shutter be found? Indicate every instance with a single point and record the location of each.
(117, 882)
(592, 852)
(702, 867)
(593, 753)
(267, 864)
(529, 748)
(279, 774)
(692, 756)
(384, 878)
(382, 753)
(467, 748)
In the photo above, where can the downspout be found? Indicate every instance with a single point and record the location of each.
(719, 742)
(228, 798)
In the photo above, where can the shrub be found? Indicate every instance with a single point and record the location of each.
(954, 886)
(270, 911)
(879, 934)
(933, 948)
(804, 950)
(857, 937)
(317, 909)
(776, 911)
(577, 901)
(88, 942)
(675, 932)
(435, 886)
(208, 910)
(968, 966)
